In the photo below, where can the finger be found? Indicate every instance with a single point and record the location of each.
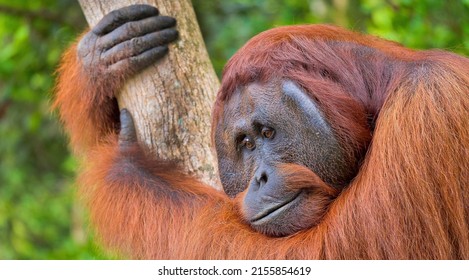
(127, 134)
(118, 17)
(134, 29)
(138, 45)
(136, 63)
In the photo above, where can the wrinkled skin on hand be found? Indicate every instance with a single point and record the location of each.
(126, 41)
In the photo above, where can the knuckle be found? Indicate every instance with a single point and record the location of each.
(135, 42)
(128, 29)
(134, 61)
(112, 18)
(114, 15)
(132, 28)
(87, 45)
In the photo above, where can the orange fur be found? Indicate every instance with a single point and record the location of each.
(85, 102)
(410, 199)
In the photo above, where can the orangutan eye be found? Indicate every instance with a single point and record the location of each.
(267, 132)
(248, 143)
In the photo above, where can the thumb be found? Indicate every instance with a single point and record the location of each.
(127, 134)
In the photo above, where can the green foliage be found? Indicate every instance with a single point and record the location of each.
(421, 24)
(39, 215)
(227, 25)
(36, 171)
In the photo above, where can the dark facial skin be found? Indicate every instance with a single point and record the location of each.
(263, 127)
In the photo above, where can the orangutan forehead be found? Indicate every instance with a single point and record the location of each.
(244, 100)
(248, 103)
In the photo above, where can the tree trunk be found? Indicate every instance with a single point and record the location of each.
(171, 101)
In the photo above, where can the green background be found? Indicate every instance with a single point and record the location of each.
(39, 215)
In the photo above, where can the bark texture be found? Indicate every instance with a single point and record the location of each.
(171, 100)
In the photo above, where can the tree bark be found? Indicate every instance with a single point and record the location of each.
(171, 101)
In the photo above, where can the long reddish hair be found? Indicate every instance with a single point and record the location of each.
(411, 196)
(404, 112)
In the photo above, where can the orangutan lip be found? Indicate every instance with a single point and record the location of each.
(266, 214)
